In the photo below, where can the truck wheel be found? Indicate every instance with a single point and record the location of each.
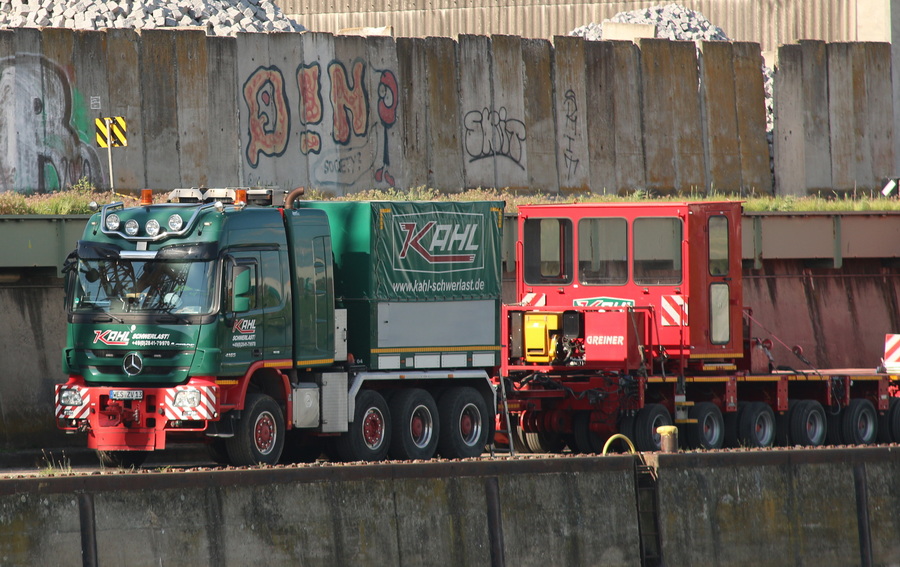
(756, 426)
(259, 433)
(808, 425)
(860, 423)
(709, 431)
(122, 459)
(415, 420)
(889, 423)
(464, 427)
(544, 442)
(645, 423)
(369, 436)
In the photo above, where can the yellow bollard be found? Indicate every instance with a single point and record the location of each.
(668, 438)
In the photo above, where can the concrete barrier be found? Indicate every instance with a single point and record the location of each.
(573, 511)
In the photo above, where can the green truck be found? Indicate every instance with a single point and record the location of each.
(364, 330)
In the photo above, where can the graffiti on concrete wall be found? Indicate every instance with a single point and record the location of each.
(570, 133)
(342, 143)
(42, 131)
(492, 133)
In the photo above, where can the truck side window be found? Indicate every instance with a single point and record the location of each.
(254, 288)
(657, 251)
(603, 251)
(718, 245)
(547, 247)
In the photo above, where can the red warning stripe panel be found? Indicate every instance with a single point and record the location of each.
(892, 350)
(205, 408)
(674, 311)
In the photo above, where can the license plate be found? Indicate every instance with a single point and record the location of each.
(126, 394)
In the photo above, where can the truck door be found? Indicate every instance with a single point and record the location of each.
(243, 331)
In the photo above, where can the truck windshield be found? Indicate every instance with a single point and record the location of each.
(142, 286)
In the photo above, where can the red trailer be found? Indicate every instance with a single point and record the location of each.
(630, 316)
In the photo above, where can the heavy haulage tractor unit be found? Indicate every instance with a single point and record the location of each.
(370, 330)
(628, 317)
(364, 329)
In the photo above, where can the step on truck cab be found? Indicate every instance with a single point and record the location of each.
(359, 329)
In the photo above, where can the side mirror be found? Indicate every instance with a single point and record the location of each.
(240, 289)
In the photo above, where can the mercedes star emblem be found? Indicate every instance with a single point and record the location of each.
(133, 364)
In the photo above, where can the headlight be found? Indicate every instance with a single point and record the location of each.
(152, 227)
(175, 223)
(70, 397)
(112, 222)
(187, 398)
(131, 227)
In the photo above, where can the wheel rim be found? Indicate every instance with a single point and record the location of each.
(764, 429)
(373, 428)
(265, 433)
(470, 424)
(711, 430)
(865, 426)
(815, 428)
(421, 427)
(657, 422)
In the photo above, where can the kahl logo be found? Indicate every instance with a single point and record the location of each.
(245, 326)
(111, 337)
(449, 242)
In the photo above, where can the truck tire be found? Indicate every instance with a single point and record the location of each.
(464, 423)
(860, 422)
(122, 459)
(808, 425)
(586, 440)
(415, 420)
(756, 426)
(369, 436)
(259, 433)
(709, 431)
(645, 424)
(889, 423)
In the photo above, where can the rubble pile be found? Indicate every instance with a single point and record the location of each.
(217, 17)
(672, 21)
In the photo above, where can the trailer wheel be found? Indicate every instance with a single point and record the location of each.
(415, 420)
(122, 459)
(860, 423)
(369, 436)
(709, 431)
(808, 425)
(645, 424)
(259, 433)
(586, 441)
(463, 421)
(756, 426)
(889, 423)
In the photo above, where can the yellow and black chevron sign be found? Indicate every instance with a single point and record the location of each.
(116, 132)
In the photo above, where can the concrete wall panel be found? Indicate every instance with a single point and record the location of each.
(446, 159)
(659, 107)
(540, 123)
(509, 132)
(686, 120)
(720, 122)
(224, 136)
(600, 114)
(411, 114)
(477, 109)
(349, 167)
(750, 101)
(263, 103)
(570, 102)
(627, 97)
(192, 90)
(816, 128)
(286, 55)
(880, 116)
(123, 58)
(789, 134)
(316, 110)
(160, 109)
(386, 139)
